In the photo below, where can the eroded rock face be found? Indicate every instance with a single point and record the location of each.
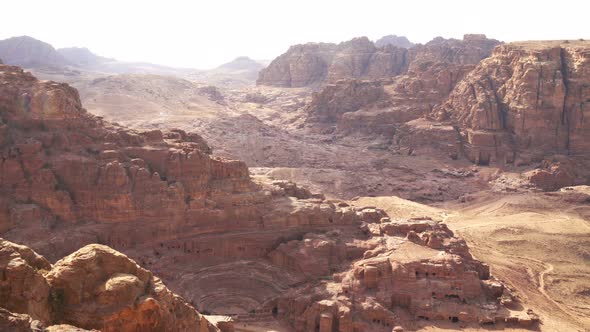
(526, 101)
(332, 101)
(380, 106)
(18, 322)
(556, 173)
(313, 64)
(62, 164)
(96, 287)
(407, 267)
(23, 288)
(316, 64)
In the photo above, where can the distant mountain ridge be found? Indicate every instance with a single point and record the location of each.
(26, 51)
(31, 53)
(241, 63)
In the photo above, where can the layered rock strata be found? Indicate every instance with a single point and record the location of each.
(381, 105)
(526, 101)
(315, 63)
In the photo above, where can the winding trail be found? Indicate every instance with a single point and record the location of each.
(541, 279)
(541, 288)
(543, 291)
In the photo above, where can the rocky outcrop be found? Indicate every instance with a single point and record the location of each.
(556, 173)
(97, 287)
(394, 40)
(29, 52)
(329, 104)
(414, 267)
(73, 167)
(93, 288)
(301, 65)
(18, 322)
(524, 102)
(23, 285)
(381, 106)
(314, 64)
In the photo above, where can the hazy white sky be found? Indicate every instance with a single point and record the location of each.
(204, 34)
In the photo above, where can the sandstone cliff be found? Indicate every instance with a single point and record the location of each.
(526, 101)
(313, 64)
(432, 71)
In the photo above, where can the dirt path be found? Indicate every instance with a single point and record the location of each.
(549, 268)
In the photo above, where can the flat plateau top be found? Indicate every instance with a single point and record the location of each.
(532, 44)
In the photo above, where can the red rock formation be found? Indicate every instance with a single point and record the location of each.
(24, 288)
(332, 101)
(65, 163)
(93, 288)
(18, 322)
(380, 106)
(555, 174)
(313, 64)
(408, 267)
(201, 223)
(524, 102)
(97, 287)
(69, 179)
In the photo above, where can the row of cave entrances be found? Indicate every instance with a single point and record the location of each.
(453, 319)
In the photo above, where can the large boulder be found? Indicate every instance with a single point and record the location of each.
(13, 322)
(95, 287)
(23, 288)
(100, 288)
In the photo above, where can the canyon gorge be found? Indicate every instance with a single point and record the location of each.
(359, 186)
